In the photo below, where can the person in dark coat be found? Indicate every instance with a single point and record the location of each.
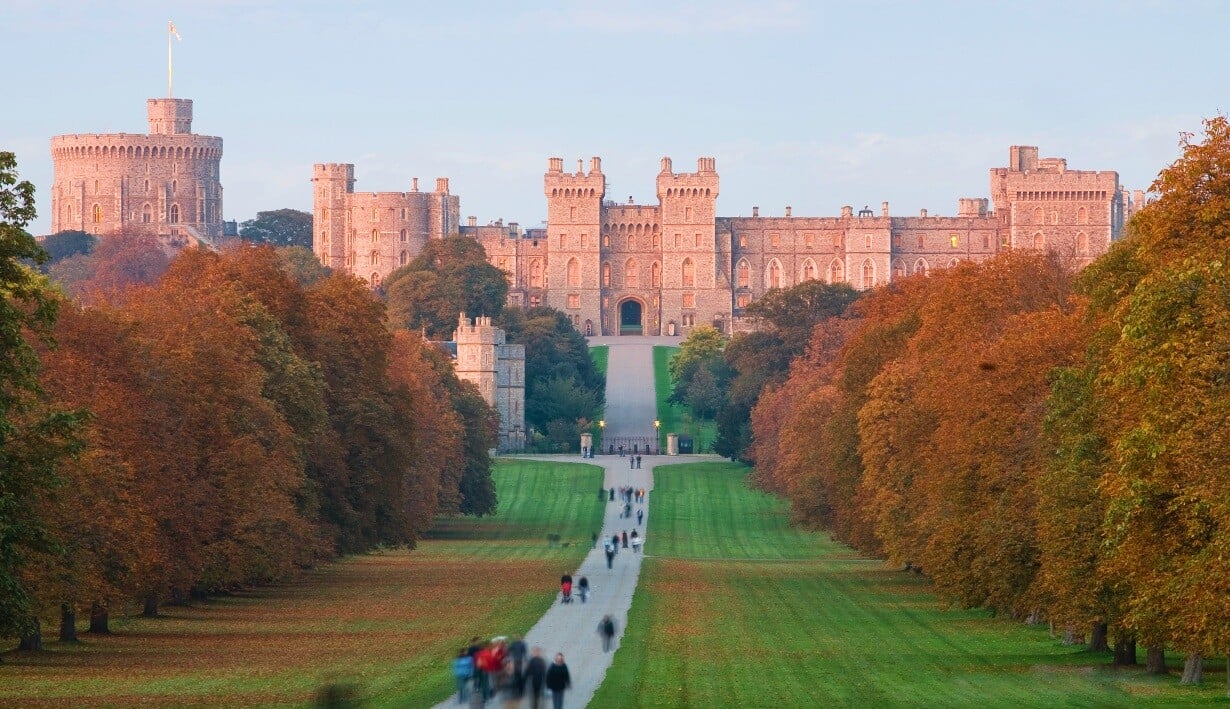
(535, 676)
(558, 680)
(606, 629)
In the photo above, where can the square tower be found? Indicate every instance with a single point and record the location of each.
(574, 221)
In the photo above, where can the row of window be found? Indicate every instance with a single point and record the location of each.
(147, 213)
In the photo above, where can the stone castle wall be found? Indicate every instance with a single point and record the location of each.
(498, 370)
(166, 182)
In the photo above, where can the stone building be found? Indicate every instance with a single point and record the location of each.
(370, 234)
(663, 268)
(166, 182)
(498, 370)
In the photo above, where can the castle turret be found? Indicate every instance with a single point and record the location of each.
(331, 182)
(692, 271)
(574, 219)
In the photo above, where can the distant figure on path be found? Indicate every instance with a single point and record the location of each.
(595, 544)
(583, 587)
(612, 495)
(558, 680)
(638, 462)
(636, 541)
(517, 651)
(640, 517)
(610, 554)
(625, 539)
(463, 670)
(535, 676)
(606, 629)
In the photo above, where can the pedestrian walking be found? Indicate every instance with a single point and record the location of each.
(636, 542)
(612, 495)
(463, 672)
(535, 676)
(606, 629)
(625, 539)
(638, 462)
(595, 544)
(640, 517)
(631, 461)
(583, 588)
(558, 680)
(517, 650)
(615, 542)
(512, 685)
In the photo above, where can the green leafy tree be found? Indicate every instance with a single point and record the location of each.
(450, 276)
(280, 227)
(33, 438)
(63, 244)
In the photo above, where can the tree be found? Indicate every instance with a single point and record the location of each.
(63, 244)
(118, 262)
(34, 439)
(794, 312)
(450, 276)
(302, 265)
(280, 227)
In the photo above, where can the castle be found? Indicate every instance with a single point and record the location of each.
(662, 269)
(166, 182)
(498, 370)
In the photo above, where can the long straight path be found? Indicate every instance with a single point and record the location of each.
(573, 628)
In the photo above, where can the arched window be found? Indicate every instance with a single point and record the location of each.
(743, 275)
(632, 276)
(774, 277)
(869, 274)
(1039, 216)
(147, 213)
(1082, 243)
(689, 273)
(606, 275)
(1054, 217)
(574, 273)
(655, 275)
(404, 259)
(606, 240)
(1082, 216)
(1039, 242)
(657, 241)
(631, 242)
(402, 236)
(920, 266)
(174, 218)
(97, 213)
(809, 270)
(898, 269)
(743, 241)
(535, 274)
(375, 280)
(147, 187)
(953, 263)
(837, 272)
(375, 258)
(375, 236)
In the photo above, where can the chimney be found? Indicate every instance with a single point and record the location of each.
(472, 220)
(787, 210)
(884, 209)
(755, 211)
(666, 164)
(555, 164)
(580, 167)
(414, 184)
(595, 165)
(442, 185)
(922, 212)
(847, 211)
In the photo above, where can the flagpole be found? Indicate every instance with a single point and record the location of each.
(169, 60)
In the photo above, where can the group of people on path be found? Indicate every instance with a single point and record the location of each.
(565, 588)
(502, 669)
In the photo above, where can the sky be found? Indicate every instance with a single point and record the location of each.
(809, 104)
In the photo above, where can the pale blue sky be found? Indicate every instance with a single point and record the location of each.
(809, 104)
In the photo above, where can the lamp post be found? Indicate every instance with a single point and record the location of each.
(601, 430)
(657, 439)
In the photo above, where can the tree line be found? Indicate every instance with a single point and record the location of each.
(177, 427)
(1048, 445)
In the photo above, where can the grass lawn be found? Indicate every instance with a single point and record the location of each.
(675, 418)
(601, 354)
(386, 624)
(735, 608)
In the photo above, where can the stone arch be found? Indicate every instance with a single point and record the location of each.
(743, 274)
(808, 270)
(837, 271)
(953, 263)
(687, 273)
(655, 275)
(869, 273)
(773, 274)
(96, 213)
(1082, 216)
(147, 213)
(630, 316)
(574, 273)
(535, 273)
(898, 268)
(404, 258)
(1039, 241)
(174, 214)
(920, 266)
(1082, 243)
(1039, 215)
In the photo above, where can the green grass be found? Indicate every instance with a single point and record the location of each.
(385, 623)
(676, 418)
(736, 608)
(601, 355)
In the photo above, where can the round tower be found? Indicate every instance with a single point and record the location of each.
(166, 182)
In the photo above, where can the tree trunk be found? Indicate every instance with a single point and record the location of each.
(1097, 639)
(151, 606)
(1193, 669)
(1155, 660)
(100, 619)
(68, 623)
(1035, 617)
(1070, 637)
(1125, 652)
(33, 641)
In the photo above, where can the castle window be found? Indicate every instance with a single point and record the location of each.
(374, 258)
(631, 242)
(869, 274)
(837, 272)
(201, 213)
(1082, 243)
(535, 274)
(147, 213)
(696, 241)
(1039, 242)
(572, 214)
(174, 218)
(742, 300)
(375, 280)
(403, 212)
(574, 301)
(655, 275)
(922, 241)
(375, 214)
(574, 273)
(584, 240)
(1082, 216)
(563, 240)
(868, 241)
(606, 240)
(743, 241)
(632, 276)
(837, 240)
(535, 301)
(95, 186)
(657, 241)
(743, 275)
(97, 212)
(174, 187)
(688, 319)
(502, 264)
(678, 238)
(1054, 217)
(688, 273)
(954, 240)
(147, 187)
(775, 274)
(809, 238)
(687, 214)
(898, 269)
(920, 266)
(986, 241)
(689, 300)
(809, 270)
(402, 236)
(404, 258)
(1038, 216)
(606, 275)
(375, 236)
(775, 239)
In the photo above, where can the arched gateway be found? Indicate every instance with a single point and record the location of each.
(631, 317)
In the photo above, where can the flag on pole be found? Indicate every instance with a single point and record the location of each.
(172, 30)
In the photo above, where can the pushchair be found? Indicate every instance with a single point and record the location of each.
(565, 592)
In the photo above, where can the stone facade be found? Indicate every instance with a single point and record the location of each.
(664, 268)
(370, 234)
(498, 370)
(166, 182)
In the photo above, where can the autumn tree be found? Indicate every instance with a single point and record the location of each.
(117, 263)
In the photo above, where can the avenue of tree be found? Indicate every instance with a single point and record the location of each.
(1048, 445)
(171, 428)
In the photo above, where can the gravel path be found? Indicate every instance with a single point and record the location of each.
(572, 628)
